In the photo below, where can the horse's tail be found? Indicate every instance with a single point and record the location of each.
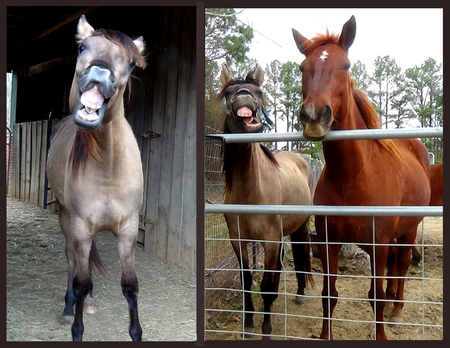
(95, 261)
(308, 276)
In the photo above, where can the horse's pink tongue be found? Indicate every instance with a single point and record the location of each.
(92, 99)
(244, 111)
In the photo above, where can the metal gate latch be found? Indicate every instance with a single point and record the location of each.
(150, 135)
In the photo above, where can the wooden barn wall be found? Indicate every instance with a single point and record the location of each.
(162, 102)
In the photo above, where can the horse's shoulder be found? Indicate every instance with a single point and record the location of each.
(62, 125)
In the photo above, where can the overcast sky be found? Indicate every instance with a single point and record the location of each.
(409, 35)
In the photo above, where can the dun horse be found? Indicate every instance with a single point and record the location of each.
(256, 176)
(94, 168)
(358, 172)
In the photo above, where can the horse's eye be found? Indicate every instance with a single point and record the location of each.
(132, 64)
(301, 69)
(81, 48)
(347, 66)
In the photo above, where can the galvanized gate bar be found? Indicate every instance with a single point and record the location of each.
(357, 134)
(326, 210)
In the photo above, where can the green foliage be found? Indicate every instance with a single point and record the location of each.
(400, 98)
(226, 41)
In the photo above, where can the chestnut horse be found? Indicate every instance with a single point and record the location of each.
(253, 175)
(94, 168)
(358, 172)
(437, 198)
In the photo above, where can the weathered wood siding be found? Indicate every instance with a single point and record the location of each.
(30, 157)
(169, 161)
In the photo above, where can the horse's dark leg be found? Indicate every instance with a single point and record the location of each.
(129, 282)
(246, 282)
(64, 222)
(95, 261)
(416, 256)
(329, 292)
(302, 260)
(68, 314)
(379, 262)
(270, 283)
(82, 281)
(403, 262)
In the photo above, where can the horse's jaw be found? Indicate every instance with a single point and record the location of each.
(89, 120)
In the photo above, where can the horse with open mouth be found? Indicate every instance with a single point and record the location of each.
(254, 175)
(94, 168)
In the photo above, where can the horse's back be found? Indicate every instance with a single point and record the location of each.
(436, 182)
(415, 168)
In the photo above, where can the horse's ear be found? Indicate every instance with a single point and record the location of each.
(225, 75)
(300, 41)
(257, 74)
(140, 44)
(84, 29)
(348, 33)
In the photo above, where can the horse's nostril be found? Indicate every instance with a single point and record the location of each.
(304, 115)
(325, 114)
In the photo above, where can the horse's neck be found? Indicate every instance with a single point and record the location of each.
(245, 163)
(113, 146)
(347, 156)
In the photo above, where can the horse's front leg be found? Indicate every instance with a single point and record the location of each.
(329, 292)
(82, 282)
(246, 282)
(129, 282)
(89, 306)
(270, 283)
(302, 259)
(378, 264)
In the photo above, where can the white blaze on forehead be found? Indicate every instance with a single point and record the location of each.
(324, 55)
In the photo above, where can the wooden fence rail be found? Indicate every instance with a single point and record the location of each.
(28, 181)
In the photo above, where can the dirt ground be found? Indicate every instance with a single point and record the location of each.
(37, 279)
(348, 311)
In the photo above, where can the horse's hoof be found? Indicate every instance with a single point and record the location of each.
(89, 306)
(67, 320)
(247, 335)
(396, 322)
(299, 300)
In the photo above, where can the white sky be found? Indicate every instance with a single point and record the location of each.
(409, 35)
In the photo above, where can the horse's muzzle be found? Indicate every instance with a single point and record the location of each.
(316, 124)
(96, 85)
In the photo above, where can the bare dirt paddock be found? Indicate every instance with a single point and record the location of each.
(353, 313)
(37, 278)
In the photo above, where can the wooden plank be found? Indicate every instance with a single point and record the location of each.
(168, 150)
(188, 241)
(34, 169)
(28, 162)
(154, 173)
(43, 162)
(22, 149)
(177, 199)
(14, 184)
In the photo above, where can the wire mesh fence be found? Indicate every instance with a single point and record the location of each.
(353, 317)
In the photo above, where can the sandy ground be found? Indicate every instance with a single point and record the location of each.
(37, 278)
(305, 321)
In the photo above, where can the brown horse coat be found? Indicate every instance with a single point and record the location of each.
(359, 172)
(256, 176)
(94, 168)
